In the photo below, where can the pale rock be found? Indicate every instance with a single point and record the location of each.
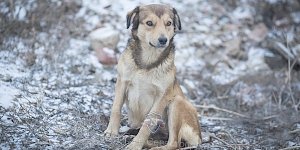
(104, 37)
(282, 22)
(224, 77)
(243, 13)
(202, 28)
(123, 129)
(249, 95)
(104, 41)
(232, 47)
(106, 56)
(296, 16)
(290, 143)
(211, 41)
(230, 27)
(206, 136)
(217, 42)
(259, 32)
(256, 59)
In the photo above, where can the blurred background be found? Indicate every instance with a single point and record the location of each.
(237, 61)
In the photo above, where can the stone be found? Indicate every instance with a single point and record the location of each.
(106, 56)
(256, 59)
(233, 48)
(296, 17)
(243, 13)
(104, 41)
(259, 32)
(104, 37)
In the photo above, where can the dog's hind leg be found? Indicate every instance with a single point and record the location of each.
(182, 123)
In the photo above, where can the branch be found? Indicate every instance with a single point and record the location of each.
(221, 109)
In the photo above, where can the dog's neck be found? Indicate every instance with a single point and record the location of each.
(146, 57)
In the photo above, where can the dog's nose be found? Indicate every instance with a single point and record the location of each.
(162, 40)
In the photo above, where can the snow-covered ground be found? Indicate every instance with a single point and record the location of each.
(54, 93)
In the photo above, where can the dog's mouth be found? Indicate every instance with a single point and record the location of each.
(158, 45)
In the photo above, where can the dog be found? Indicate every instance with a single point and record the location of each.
(147, 83)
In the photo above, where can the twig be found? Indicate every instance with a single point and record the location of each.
(294, 131)
(222, 97)
(292, 147)
(192, 147)
(284, 51)
(220, 109)
(270, 117)
(224, 142)
(216, 118)
(234, 140)
(290, 66)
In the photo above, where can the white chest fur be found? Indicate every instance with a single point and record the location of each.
(143, 89)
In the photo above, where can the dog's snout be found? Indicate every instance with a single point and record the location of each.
(162, 40)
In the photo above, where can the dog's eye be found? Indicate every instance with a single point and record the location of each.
(149, 23)
(169, 23)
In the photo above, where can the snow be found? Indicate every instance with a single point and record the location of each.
(9, 72)
(76, 47)
(7, 94)
(20, 13)
(66, 92)
(186, 58)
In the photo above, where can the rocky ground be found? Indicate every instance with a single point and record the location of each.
(237, 61)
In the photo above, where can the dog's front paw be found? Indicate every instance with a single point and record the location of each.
(134, 146)
(109, 132)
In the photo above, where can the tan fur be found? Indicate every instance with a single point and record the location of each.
(147, 80)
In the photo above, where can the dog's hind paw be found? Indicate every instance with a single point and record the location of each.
(159, 148)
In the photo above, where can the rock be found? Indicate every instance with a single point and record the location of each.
(296, 17)
(230, 27)
(6, 78)
(256, 57)
(259, 32)
(106, 56)
(104, 41)
(212, 42)
(30, 58)
(124, 129)
(287, 53)
(275, 61)
(249, 95)
(104, 37)
(233, 49)
(243, 13)
(282, 22)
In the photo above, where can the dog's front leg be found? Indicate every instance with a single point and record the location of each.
(153, 117)
(114, 121)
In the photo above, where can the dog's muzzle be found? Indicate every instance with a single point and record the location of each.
(162, 42)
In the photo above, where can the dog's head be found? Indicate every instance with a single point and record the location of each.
(154, 25)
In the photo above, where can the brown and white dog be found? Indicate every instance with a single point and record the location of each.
(147, 82)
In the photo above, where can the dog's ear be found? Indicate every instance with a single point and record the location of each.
(133, 17)
(176, 19)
